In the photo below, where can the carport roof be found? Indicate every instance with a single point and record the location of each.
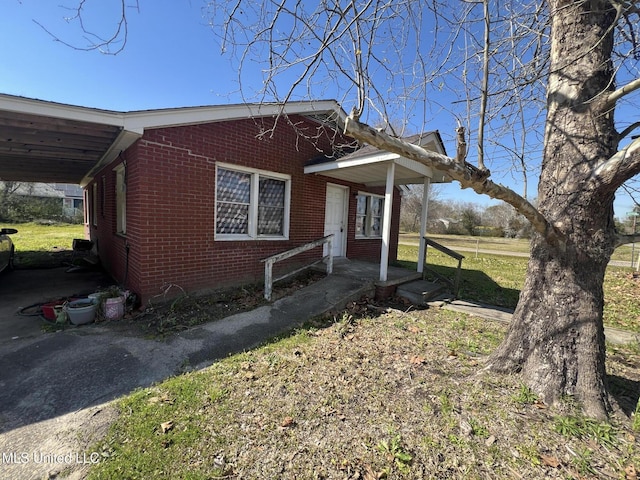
(51, 142)
(47, 142)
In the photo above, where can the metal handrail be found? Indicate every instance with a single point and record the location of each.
(455, 284)
(269, 261)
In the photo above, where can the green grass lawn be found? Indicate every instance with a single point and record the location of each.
(498, 279)
(393, 395)
(38, 245)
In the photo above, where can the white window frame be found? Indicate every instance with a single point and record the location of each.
(94, 204)
(256, 174)
(86, 207)
(368, 218)
(121, 200)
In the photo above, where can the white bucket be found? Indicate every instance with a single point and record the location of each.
(114, 308)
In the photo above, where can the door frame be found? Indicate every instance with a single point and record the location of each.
(345, 215)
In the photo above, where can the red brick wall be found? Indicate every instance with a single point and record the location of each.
(171, 205)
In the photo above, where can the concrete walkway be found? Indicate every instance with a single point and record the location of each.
(498, 314)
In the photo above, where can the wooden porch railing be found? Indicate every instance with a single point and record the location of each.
(455, 283)
(269, 261)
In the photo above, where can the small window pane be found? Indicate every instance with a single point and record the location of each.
(361, 208)
(271, 192)
(360, 225)
(271, 195)
(376, 227)
(233, 186)
(376, 207)
(270, 221)
(232, 218)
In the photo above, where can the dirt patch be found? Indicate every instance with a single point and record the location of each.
(165, 317)
(54, 258)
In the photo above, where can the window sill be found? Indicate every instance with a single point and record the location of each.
(246, 238)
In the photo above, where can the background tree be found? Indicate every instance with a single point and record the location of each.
(20, 202)
(7, 198)
(505, 219)
(411, 206)
(470, 219)
(500, 67)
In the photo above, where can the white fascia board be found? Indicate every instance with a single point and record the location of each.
(355, 162)
(59, 110)
(123, 141)
(417, 167)
(136, 121)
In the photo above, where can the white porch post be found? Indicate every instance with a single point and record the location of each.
(386, 221)
(423, 223)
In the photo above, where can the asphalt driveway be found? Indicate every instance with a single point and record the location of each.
(22, 288)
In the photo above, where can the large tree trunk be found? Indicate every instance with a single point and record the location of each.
(556, 338)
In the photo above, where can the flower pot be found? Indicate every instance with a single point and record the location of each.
(50, 309)
(114, 308)
(81, 311)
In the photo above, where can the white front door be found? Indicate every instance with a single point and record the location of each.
(335, 219)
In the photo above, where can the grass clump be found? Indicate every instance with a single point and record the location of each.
(571, 426)
(395, 452)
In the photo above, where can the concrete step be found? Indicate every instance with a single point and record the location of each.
(419, 292)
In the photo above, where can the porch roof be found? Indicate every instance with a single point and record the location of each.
(368, 165)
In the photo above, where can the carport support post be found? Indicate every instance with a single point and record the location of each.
(386, 221)
(423, 224)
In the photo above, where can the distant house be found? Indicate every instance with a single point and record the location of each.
(63, 201)
(72, 203)
(37, 190)
(196, 197)
(21, 201)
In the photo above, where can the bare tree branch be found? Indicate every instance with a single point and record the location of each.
(628, 131)
(622, 239)
(484, 90)
(613, 97)
(467, 175)
(620, 167)
(104, 44)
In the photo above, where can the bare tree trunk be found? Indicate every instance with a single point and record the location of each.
(557, 336)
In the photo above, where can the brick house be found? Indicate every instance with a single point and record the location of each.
(196, 197)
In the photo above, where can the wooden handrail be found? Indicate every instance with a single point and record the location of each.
(456, 282)
(269, 261)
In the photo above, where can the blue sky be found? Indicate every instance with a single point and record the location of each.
(171, 59)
